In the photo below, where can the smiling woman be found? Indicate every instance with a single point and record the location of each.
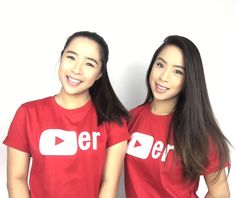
(167, 79)
(76, 139)
(80, 67)
(177, 119)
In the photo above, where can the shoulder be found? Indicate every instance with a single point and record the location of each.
(39, 102)
(121, 126)
(117, 132)
(35, 105)
(139, 109)
(139, 115)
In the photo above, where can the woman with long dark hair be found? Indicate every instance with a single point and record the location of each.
(76, 139)
(174, 134)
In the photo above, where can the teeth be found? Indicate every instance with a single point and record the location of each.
(162, 88)
(73, 80)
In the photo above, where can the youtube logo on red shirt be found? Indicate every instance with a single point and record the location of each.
(62, 142)
(140, 145)
(58, 142)
(143, 145)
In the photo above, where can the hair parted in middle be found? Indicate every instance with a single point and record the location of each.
(108, 106)
(194, 126)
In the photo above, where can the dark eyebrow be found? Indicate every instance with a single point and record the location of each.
(71, 52)
(91, 59)
(180, 66)
(161, 59)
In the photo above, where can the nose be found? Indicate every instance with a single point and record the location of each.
(165, 75)
(78, 68)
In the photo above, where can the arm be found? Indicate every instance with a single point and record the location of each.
(17, 173)
(112, 169)
(218, 188)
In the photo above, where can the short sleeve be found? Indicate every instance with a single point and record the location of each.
(17, 133)
(117, 133)
(214, 160)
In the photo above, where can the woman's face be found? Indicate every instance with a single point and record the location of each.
(167, 75)
(80, 67)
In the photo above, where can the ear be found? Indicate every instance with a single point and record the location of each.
(99, 76)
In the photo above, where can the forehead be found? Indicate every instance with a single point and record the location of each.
(85, 47)
(172, 55)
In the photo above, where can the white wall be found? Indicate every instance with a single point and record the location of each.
(33, 34)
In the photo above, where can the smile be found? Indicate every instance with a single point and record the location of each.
(73, 81)
(161, 89)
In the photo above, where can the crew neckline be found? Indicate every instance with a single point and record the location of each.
(159, 117)
(70, 111)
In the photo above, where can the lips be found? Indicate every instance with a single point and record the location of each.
(73, 81)
(161, 89)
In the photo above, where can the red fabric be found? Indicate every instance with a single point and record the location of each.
(67, 147)
(151, 168)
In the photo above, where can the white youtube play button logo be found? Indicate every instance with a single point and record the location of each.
(140, 145)
(58, 142)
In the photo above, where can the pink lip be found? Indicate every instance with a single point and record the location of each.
(161, 89)
(73, 81)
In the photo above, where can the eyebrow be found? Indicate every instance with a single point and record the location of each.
(92, 59)
(71, 52)
(89, 58)
(180, 66)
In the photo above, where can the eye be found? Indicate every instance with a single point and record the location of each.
(179, 72)
(160, 65)
(70, 57)
(89, 64)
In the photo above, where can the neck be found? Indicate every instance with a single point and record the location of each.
(159, 107)
(70, 101)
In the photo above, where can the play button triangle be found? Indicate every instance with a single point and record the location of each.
(58, 140)
(137, 144)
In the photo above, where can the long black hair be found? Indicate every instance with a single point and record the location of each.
(193, 123)
(107, 104)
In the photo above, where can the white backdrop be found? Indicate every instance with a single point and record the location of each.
(33, 34)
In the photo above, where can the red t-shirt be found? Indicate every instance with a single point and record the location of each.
(67, 147)
(151, 168)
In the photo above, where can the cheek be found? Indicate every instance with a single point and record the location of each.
(180, 84)
(60, 70)
(153, 78)
(151, 81)
(92, 77)
(93, 74)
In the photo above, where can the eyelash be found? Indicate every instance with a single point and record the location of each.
(73, 59)
(178, 72)
(160, 65)
(89, 64)
(70, 57)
